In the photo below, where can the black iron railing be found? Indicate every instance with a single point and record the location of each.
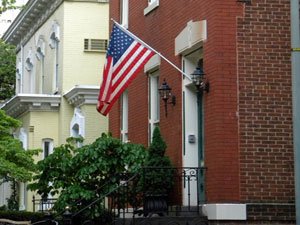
(43, 204)
(138, 197)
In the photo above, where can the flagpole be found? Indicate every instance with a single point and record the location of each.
(137, 38)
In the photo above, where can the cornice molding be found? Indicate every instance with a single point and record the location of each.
(29, 20)
(32, 17)
(82, 95)
(23, 103)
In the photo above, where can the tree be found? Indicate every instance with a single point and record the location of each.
(7, 70)
(6, 5)
(86, 173)
(16, 164)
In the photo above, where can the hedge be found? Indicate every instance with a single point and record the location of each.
(22, 216)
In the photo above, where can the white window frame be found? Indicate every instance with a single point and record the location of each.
(19, 78)
(124, 13)
(29, 66)
(78, 121)
(154, 102)
(50, 147)
(124, 116)
(40, 54)
(54, 44)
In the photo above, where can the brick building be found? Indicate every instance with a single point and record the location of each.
(244, 135)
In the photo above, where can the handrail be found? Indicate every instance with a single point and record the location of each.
(139, 201)
(103, 196)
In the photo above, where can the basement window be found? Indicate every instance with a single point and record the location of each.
(95, 45)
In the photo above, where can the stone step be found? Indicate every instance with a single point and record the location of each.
(164, 220)
(185, 211)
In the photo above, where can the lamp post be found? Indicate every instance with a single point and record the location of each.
(201, 84)
(165, 94)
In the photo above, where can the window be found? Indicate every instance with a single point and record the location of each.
(124, 12)
(47, 147)
(19, 77)
(40, 54)
(124, 116)
(31, 75)
(22, 136)
(154, 103)
(77, 125)
(95, 45)
(54, 44)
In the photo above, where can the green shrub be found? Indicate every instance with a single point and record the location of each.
(22, 216)
(158, 175)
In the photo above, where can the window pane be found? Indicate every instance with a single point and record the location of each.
(46, 149)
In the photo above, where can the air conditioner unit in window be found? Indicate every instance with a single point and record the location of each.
(95, 45)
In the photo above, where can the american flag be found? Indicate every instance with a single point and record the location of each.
(124, 59)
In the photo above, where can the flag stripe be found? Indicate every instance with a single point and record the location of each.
(128, 61)
(122, 87)
(117, 94)
(127, 71)
(107, 80)
(129, 75)
(125, 58)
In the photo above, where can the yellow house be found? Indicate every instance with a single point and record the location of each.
(61, 47)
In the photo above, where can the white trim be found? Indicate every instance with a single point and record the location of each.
(82, 94)
(23, 138)
(153, 5)
(225, 211)
(22, 194)
(78, 119)
(28, 61)
(22, 103)
(193, 35)
(124, 117)
(152, 64)
(154, 102)
(125, 13)
(40, 48)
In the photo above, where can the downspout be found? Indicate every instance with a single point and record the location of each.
(295, 44)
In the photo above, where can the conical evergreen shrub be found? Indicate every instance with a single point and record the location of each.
(158, 173)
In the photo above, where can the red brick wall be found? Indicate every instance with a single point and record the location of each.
(248, 136)
(265, 110)
(159, 29)
(114, 114)
(221, 127)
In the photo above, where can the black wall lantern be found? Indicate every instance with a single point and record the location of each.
(165, 94)
(199, 79)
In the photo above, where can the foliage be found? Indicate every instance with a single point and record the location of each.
(158, 145)
(158, 173)
(12, 201)
(6, 5)
(21, 215)
(7, 70)
(16, 164)
(86, 173)
(3, 208)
